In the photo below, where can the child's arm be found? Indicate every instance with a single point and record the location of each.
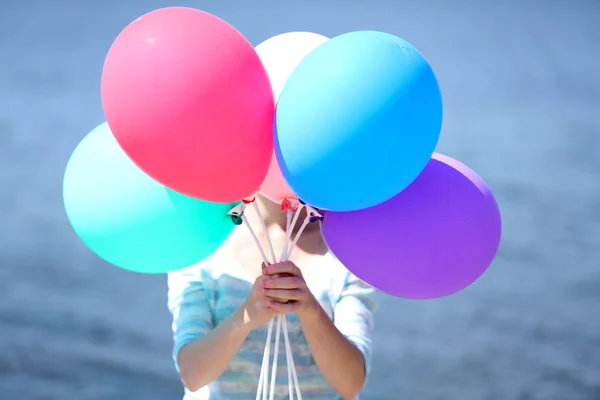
(342, 349)
(338, 359)
(195, 336)
(204, 360)
(202, 351)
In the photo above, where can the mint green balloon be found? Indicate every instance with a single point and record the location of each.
(130, 220)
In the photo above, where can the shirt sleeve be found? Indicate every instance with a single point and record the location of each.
(353, 315)
(188, 304)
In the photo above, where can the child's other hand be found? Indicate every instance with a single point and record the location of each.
(256, 307)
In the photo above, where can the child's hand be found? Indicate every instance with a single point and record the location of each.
(287, 290)
(256, 307)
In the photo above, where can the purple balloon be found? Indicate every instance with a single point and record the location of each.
(434, 238)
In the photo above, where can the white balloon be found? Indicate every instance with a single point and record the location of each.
(281, 54)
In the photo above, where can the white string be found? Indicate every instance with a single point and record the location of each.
(288, 350)
(291, 365)
(264, 368)
(264, 371)
(275, 358)
(281, 321)
(288, 232)
(300, 206)
(288, 358)
(265, 230)
(292, 375)
(302, 227)
(262, 253)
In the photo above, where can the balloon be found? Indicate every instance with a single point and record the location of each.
(280, 55)
(190, 102)
(130, 220)
(433, 239)
(275, 187)
(357, 121)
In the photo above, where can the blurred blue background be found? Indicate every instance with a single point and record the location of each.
(521, 85)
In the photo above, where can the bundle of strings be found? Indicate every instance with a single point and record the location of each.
(265, 390)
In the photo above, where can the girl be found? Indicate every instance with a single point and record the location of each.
(220, 308)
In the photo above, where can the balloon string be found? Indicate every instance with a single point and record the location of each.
(281, 321)
(275, 359)
(302, 227)
(292, 374)
(264, 368)
(291, 366)
(265, 230)
(256, 241)
(263, 380)
(288, 231)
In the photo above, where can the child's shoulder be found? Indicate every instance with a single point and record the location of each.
(334, 272)
(198, 271)
(338, 270)
(342, 274)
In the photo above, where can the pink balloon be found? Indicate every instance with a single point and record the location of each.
(280, 55)
(189, 101)
(275, 187)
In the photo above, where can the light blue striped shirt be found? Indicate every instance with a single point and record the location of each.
(203, 295)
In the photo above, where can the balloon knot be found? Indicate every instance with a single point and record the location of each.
(315, 218)
(286, 205)
(314, 215)
(290, 204)
(248, 201)
(237, 213)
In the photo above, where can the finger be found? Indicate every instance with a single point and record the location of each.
(263, 303)
(258, 282)
(284, 307)
(265, 306)
(285, 294)
(285, 282)
(286, 267)
(282, 301)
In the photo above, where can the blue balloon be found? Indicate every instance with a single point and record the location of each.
(132, 221)
(357, 121)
